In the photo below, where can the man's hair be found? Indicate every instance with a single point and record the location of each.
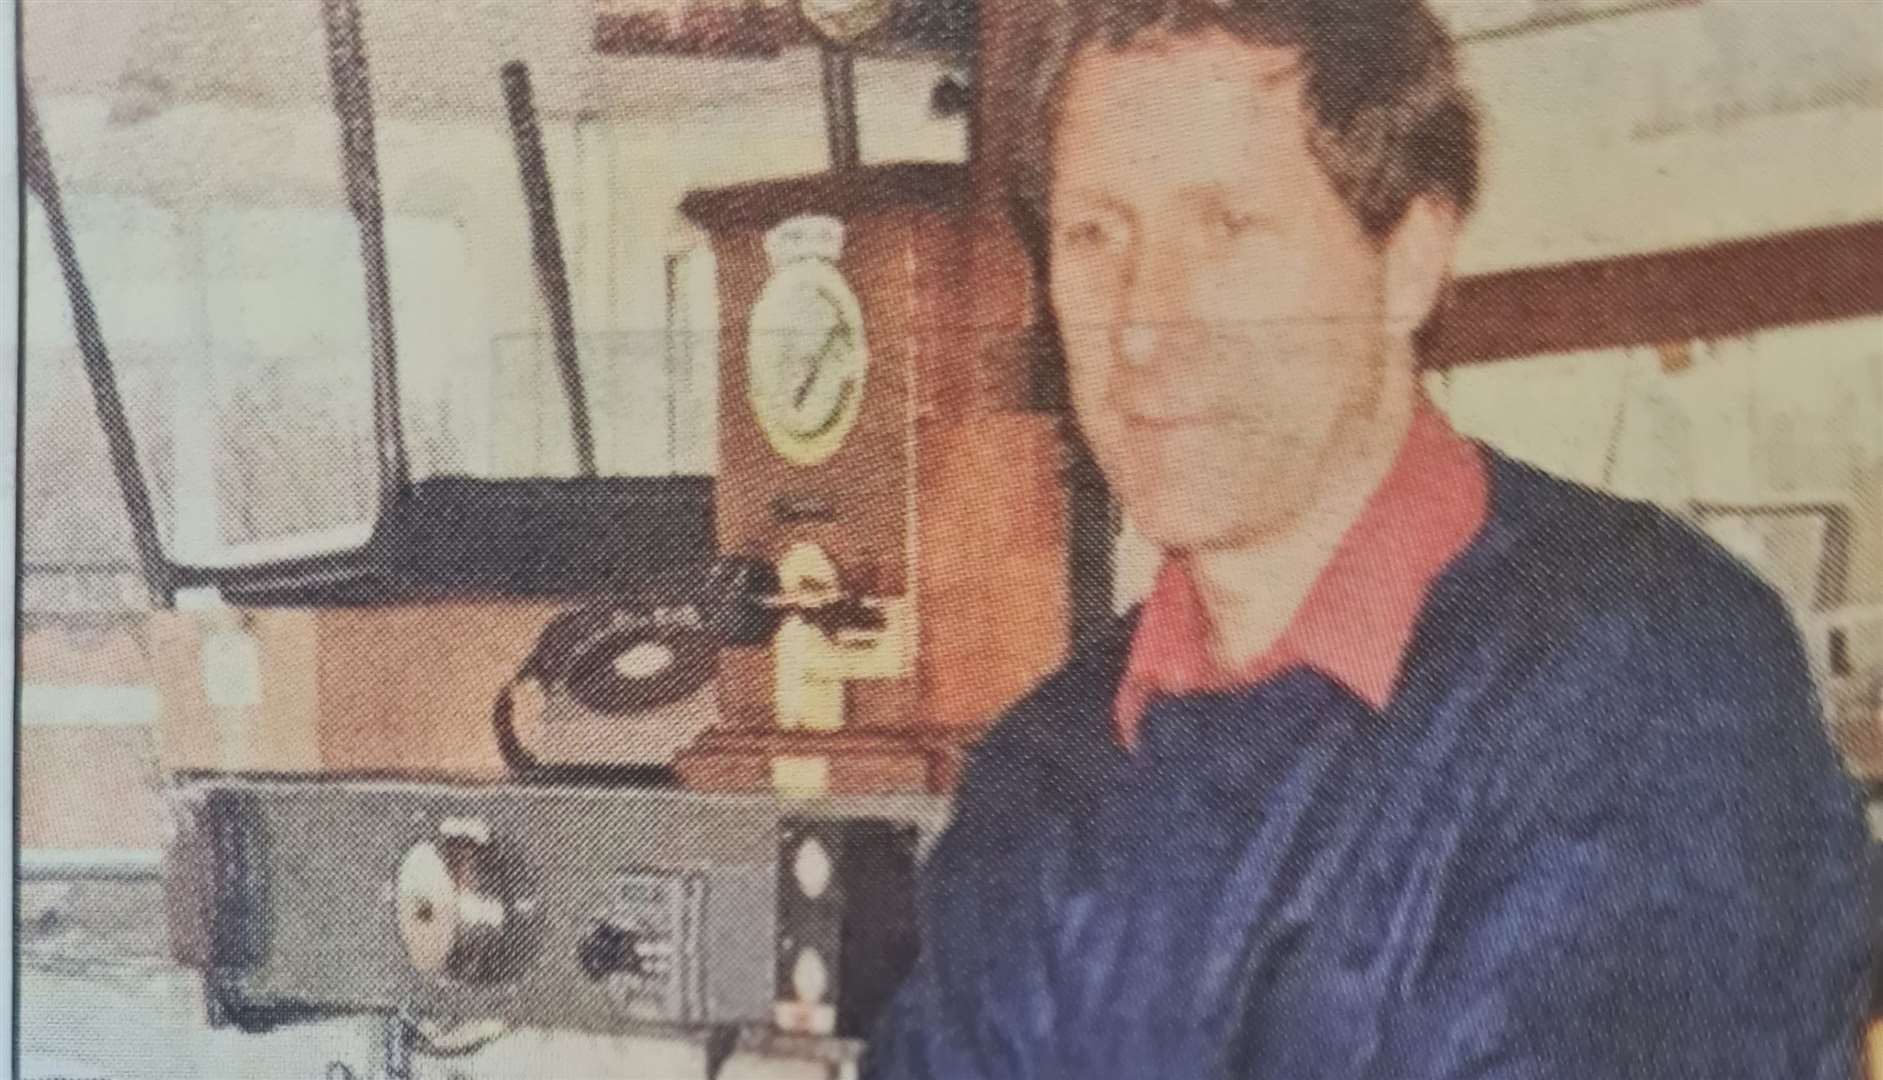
(1390, 120)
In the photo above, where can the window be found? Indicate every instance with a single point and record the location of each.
(241, 348)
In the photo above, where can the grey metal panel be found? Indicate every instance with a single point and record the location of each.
(91, 864)
(329, 852)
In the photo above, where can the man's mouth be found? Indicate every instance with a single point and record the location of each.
(1176, 422)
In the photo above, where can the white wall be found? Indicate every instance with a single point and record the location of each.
(1672, 128)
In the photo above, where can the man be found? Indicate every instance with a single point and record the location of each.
(1417, 764)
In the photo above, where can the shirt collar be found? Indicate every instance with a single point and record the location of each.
(1357, 619)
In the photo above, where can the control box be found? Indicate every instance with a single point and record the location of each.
(611, 911)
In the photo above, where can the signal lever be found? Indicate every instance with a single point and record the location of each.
(831, 634)
(751, 599)
(660, 646)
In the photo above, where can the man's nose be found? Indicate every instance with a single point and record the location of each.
(1155, 314)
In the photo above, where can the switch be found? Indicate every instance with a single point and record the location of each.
(610, 950)
(613, 949)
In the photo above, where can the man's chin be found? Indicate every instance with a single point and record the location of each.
(1197, 532)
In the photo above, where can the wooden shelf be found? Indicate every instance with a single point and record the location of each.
(836, 763)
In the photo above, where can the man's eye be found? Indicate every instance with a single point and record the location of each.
(1096, 230)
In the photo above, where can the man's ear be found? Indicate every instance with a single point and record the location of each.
(1418, 262)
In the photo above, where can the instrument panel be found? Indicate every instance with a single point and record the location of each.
(610, 911)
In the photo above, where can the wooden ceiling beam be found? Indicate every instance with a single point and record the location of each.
(1717, 291)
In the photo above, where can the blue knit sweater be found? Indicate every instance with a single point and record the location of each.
(1598, 832)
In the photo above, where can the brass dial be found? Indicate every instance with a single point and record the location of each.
(807, 358)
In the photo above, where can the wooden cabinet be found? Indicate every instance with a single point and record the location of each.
(931, 489)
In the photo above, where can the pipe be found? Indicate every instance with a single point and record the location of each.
(840, 108)
(98, 864)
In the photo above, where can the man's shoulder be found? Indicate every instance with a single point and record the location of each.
(1621, 622)
(1633, 654)
(1066, 714)
(1589, 554)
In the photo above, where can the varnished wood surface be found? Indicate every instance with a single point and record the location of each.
(1004, 33)
(947, 490)
(68, 650)
(397, 688)
(280, 730)
(854, 763)
(88, 787)
(993, 593)
(852, 194)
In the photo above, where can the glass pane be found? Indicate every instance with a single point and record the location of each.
(234, 280)
(136, 260)
(277, 416)
(628, 390)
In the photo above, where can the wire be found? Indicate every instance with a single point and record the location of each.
(460, 1040)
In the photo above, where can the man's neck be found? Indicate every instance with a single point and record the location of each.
(1251, 593)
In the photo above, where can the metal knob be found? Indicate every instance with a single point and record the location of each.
(454, 916)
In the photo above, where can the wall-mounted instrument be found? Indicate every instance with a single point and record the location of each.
(871, 452)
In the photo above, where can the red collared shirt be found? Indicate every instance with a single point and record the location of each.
(1357, 619)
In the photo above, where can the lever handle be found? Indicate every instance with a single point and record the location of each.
(747, 601)
(738, 601)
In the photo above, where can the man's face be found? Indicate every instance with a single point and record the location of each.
(1223, 313)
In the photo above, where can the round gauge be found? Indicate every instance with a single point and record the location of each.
(845, 21)
(807, 358)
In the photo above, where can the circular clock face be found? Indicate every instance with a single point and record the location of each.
(844, 21)
(807, 357)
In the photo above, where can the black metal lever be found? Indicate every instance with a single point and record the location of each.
(546, 245)
(353, 104)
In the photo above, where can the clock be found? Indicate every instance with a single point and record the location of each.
(806, 351)
(843, 22)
